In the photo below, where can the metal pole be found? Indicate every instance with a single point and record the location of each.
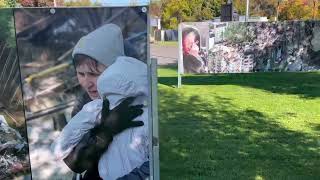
(180, 60)
(277, 16)
(314, 10)
(247, 11)
(154, 125)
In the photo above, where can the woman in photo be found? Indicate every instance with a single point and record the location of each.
(192, 60)
(89, 140)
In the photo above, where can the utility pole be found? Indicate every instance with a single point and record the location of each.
(277, 16)
(247, 11)
(314, 10)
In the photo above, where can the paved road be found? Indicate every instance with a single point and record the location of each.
(166, 55)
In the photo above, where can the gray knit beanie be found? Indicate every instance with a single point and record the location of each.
(104, 44)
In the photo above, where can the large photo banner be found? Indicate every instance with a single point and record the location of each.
(241, 47)
(14, 157)
(194, 46)
(86, 87)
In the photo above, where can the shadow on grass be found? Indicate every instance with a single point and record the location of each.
(304, 84)
(199, 140)
(316, 127)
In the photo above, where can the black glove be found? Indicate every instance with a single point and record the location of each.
(121, 117)
(87, 153)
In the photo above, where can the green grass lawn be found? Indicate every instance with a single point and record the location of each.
(239, 126)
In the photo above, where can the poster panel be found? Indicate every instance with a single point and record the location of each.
(265, 47)
(14, 159)
(194, 47)
(72, 59)
(241, 47)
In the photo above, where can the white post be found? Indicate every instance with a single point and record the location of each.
(247, 11)
(277, 15)
(154, 125)
(159, 23)
(314, 10)
(180, 58)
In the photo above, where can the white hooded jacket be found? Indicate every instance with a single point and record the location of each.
(127, 77)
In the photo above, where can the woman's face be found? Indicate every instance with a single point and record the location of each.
(190, 44)
(88, 75)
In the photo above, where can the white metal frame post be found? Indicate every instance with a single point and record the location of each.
(154, 126)
(152, 102)
(180, 58)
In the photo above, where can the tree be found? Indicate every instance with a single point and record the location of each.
(7, 34)
(240, 6)
(50, 3)
(315, 9)
(257, 8)
(155, 8)
(264, 8)
(177, 11)
(287, 9)
(174, 12)
(206, 9)
(7, 3)
(79, 3)
(37, 3)
(296, 9)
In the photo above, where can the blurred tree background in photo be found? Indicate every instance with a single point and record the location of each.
(7, 27)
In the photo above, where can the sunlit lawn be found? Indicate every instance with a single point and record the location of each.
(239, 126)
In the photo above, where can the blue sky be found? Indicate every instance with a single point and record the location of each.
(123, 2)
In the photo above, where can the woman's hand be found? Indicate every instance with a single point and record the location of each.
(87, 153)
(121, 117)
